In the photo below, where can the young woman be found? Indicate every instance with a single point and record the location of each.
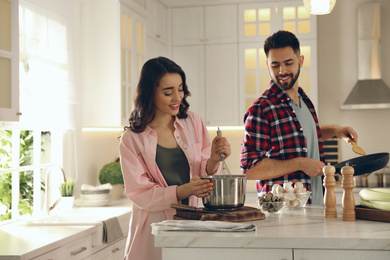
(164, 151)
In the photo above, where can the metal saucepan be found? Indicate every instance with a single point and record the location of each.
(228, 193)
(365, 164)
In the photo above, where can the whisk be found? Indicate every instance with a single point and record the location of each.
(224, 165)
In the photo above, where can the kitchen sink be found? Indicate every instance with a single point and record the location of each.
(87, 216)
(82, 217)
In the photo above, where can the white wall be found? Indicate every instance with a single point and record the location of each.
(337, 74)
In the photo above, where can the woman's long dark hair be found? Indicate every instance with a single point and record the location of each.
(144, 108)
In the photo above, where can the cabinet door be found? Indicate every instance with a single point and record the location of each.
(191, 60)
(113, 53)
(157, 20)
(221, 24)
(187, 26)
(115, 251)
(225, 253)
(302, 254)
(119, 249)
(256, 21)
(79, 249)
(155, 48)
(293, 16)
(133, 57)
(9, 60)
(100, 64)
(222, 85)
(56, 254)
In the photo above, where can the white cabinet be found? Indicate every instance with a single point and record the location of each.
(157, 20)
(256, 23)
(9, 60)
(205, 46)
(191, 59)
(187, 26)
(78, 249)
(305, 254)
(116, 251)
(221, 85)
(210, 24)
(112, 55)
(55, 254)
(157, 39)
(220, 24)
(225, 253)
(212, 79)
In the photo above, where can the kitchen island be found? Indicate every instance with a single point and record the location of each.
(289, 234)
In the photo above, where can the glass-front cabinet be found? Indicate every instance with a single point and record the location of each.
(256, 23)
(112, 55)
(9, 60)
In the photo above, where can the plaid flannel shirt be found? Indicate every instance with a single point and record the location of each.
(272, 130)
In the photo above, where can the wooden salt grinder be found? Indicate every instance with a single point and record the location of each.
(348, 202)
(329, 196)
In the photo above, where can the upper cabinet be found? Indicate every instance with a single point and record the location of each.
(256, 23)
(112, 55)
(157, 40)
(205, 45)
(9, 60)
(209, 25)
(157, 21)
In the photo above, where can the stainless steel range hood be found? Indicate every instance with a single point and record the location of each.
(370, 92)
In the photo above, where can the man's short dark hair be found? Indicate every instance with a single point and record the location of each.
(282, 39)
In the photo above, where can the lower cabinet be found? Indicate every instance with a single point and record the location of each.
(270, 254)
(307, 254)
(55, 254)
(81, 249)
(115, 251)
(76, 250)
(225, 253)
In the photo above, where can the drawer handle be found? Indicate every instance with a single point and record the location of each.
(79, 251)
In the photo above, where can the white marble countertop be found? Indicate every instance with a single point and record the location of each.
(21, 241)
(292, 229)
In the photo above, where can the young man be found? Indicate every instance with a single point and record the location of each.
(283, 140)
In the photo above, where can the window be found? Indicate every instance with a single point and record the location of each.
(31, 147)
(24, 155)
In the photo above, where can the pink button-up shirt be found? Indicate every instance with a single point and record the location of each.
(146, 186)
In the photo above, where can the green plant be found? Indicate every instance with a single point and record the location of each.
(111, 173)
(67, 188)
(25, 178)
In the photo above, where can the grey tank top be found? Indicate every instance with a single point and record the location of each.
(308, 124)
(174, 166)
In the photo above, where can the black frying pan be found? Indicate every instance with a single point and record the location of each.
(365, 164)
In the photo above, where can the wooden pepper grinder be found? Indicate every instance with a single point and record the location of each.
(348, 202)
(329, 196)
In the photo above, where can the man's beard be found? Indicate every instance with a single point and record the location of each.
(286, 86)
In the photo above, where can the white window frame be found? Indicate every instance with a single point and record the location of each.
(36, 166)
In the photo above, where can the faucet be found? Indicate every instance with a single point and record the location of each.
(48, 205)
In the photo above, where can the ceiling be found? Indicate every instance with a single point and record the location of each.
(173, 3)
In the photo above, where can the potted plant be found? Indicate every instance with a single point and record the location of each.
(112, 173)
(66, 190)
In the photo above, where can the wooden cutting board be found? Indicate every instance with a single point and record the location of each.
(239, 215)
(372, 214)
